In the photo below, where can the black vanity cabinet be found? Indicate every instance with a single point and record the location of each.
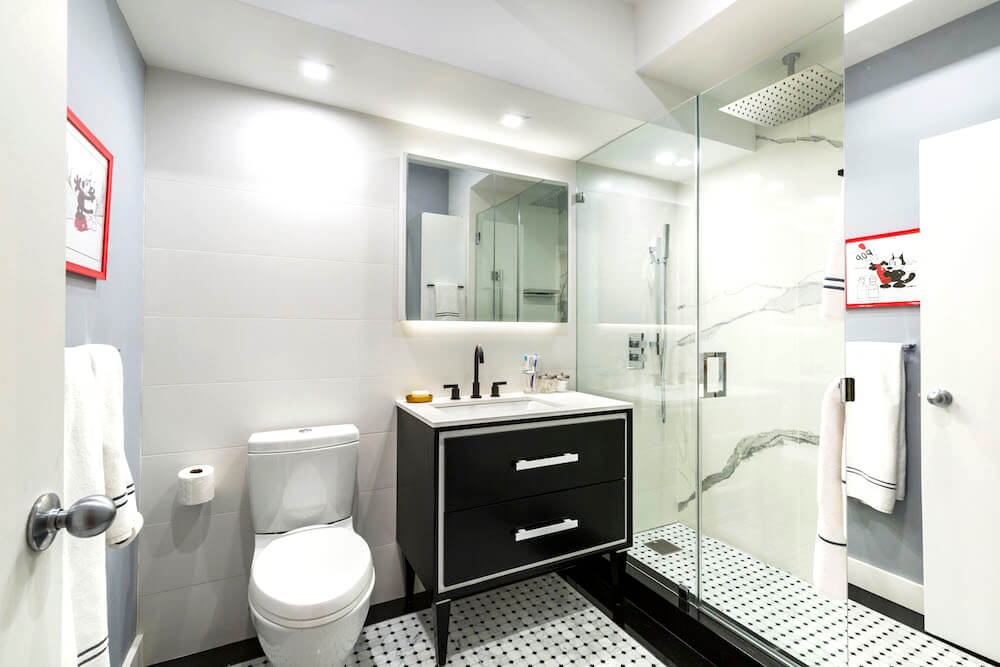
(484, 505)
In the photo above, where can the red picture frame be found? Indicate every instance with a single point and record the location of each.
(873, 249)
(102, 273)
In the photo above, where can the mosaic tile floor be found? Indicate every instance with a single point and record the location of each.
(786, 611)
(541, 621)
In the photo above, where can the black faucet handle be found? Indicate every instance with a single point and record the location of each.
(495, 391)
(455, 395)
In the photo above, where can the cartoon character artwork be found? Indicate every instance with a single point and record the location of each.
(883, 270)
(892, 273)
(88, 198)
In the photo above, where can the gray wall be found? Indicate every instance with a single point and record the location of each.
(939, 82)
(426, 192)
(105, 89)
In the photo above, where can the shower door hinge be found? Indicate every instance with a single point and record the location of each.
(579, 198)
(846, 390)
(682, 598)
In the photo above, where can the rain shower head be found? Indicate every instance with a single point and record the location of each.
(795, 96)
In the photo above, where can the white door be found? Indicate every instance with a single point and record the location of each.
(959, 323)
(32, 314)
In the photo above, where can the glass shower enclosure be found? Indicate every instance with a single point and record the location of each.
(701, 245)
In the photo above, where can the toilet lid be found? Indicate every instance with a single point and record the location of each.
(311, 573)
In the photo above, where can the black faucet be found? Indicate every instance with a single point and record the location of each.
(477, 358)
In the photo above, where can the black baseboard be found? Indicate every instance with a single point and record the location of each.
(248, 649)
(885, 607)
(230, 654)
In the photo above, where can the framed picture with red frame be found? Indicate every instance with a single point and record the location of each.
(87, 217)
(883, 270)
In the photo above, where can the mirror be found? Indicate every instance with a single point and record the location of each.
(484, 245)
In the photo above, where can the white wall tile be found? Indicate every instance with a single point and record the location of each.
(194, 548)
(191, 350)
(158, 498)
(226, 413)
(194, 216)
(212, 284)
(187, 620)
(376, 516)
(377, 461)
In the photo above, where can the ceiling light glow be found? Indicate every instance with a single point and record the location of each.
(315, 71)
(683, 162)
(512, 120)
(666, 158)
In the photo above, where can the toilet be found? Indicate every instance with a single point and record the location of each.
(312, 577)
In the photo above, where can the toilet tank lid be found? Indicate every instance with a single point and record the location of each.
(301, 439)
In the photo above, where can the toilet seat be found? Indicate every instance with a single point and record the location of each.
(311, 576)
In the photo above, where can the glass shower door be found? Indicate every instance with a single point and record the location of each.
(636, 314)
(769, 194)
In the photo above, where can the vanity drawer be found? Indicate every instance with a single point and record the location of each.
(497, 538)
(483, 467)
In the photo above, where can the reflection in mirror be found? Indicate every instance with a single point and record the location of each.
(484, 246)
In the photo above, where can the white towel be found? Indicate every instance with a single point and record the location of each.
(445, 301)
(118, 484)
(832, 304)
(830, 552)
(83, 558)
(875, 425)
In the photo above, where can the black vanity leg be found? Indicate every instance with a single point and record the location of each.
(442, 612)
(618, 559)
(409, 581)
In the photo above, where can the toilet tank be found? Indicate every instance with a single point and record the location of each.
(301, 477)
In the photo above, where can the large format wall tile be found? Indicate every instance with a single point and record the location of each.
(204, 416)
(214, 284)
(192, 216)
(187, 620)
(158, 501)
(194, 549)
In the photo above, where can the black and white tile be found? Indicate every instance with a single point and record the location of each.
(786, 611)
(541, 621)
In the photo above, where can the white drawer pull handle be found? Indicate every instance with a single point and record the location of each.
(522, 534)
(528, 464)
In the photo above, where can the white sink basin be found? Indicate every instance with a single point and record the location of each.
(492, 409)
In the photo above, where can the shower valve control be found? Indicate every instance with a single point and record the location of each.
(636, 351)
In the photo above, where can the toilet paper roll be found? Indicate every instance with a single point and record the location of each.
(196, 485)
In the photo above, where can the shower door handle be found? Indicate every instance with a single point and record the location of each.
(940, 398)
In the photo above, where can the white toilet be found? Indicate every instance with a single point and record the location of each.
(312, 576)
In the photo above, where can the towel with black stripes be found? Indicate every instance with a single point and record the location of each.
(118, 483)
(832, 301)
(875, 425)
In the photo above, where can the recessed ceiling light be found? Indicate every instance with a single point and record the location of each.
(316, 71)
(683, 162)
(666, 158)
(512, 120)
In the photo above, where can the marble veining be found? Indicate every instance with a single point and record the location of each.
(806, 292)
(746, 448)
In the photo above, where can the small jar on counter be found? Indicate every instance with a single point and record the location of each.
(562, 382)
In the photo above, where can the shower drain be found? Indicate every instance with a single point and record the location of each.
(663, 547)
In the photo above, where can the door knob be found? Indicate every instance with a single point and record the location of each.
(89, 516)
(939, 397)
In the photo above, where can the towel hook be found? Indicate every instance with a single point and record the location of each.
(89, 516)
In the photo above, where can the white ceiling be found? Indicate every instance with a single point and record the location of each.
(235, 42)
(581, 50)
(874, 26)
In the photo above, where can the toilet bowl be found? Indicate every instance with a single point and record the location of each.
(309, 595)
(312, 577)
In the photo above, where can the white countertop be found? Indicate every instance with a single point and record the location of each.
(437, 414)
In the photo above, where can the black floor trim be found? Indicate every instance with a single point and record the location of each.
(677, 637)
(885, 607)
